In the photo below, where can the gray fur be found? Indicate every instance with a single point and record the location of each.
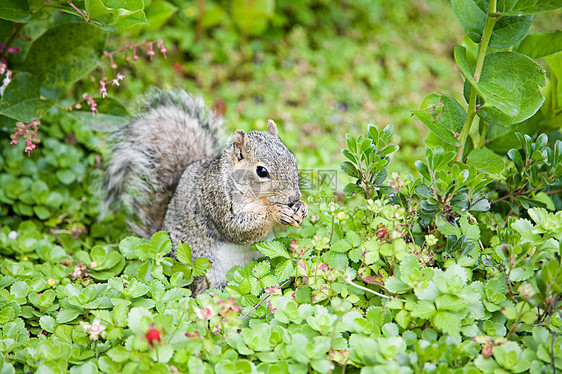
(167, 169)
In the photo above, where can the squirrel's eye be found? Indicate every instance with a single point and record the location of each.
(262, 172)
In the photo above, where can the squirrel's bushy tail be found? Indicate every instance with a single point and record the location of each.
(148, 156)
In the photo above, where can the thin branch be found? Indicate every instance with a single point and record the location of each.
(351, 283)
(84, 15)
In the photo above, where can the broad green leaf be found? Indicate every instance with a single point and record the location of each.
(21, 99)
(159, 12)
(424, 309)
(47, 323)
(252, 16)
(521, 7)
(501, 139)
(110, 115)
(67, 315)
(272, 249)
(448, 322)
(486, 161)
(129, 245)
(115, 15)
(285, 270)
(472, 16)
(183, 253)
(161, 243)
(78, 48)
(15, 10)
(444, 116)
(200, 266)
(342, 245)
(509, 85)
(541, 44)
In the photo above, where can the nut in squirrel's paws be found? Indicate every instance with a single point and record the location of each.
(292, 215)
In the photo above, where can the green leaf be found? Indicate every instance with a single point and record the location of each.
(67, 315)
(472, 16)
(486, 161)
(200, 266)
(353, 238)
(129, 245)
(183, 253)
(448, 322)
(342, 245)
(520, 7)
(285, 270)
(110, 116)
(159, 12)
(252, 16)
(117, 16)
(272, 249)
(21, 99)
(161, 243)
(541, 44)
(437, 128)
(78, 48)
(424, 309)
(47, 323)
(15, 10)
(509, 85)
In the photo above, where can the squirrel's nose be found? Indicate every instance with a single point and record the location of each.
(294, 198)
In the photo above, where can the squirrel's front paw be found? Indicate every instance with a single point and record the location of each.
(300, 211)
(292, 215)
(284, 215)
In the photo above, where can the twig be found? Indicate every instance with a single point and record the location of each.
(258, 304)
(552, 357)
(15, 32)
(84, 15)
(371, 291)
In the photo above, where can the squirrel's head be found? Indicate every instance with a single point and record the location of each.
(263, 168)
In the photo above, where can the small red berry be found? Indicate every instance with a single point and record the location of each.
(152, 335)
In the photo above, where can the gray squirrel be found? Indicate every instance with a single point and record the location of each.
(170, 171)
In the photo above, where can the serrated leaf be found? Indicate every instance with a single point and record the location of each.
(183, 253)
(200, 266)
(285, 270)
(47, 323)
(67, 315)
(424, 309)
(341, 246)
(129, 245)
(161, 243)
(448, 322)
(272, 249)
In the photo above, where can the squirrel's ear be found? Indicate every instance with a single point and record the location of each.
(239, 144)
(272, 128)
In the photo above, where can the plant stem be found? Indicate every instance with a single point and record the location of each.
(482, 139)
(351, 283)
(15, 32)
(84, 15)
(490, 23)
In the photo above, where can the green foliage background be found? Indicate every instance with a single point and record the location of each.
(452, 265)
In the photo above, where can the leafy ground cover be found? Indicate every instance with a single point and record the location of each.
(450, 265)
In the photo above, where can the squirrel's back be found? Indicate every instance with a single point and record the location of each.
(148, 155)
